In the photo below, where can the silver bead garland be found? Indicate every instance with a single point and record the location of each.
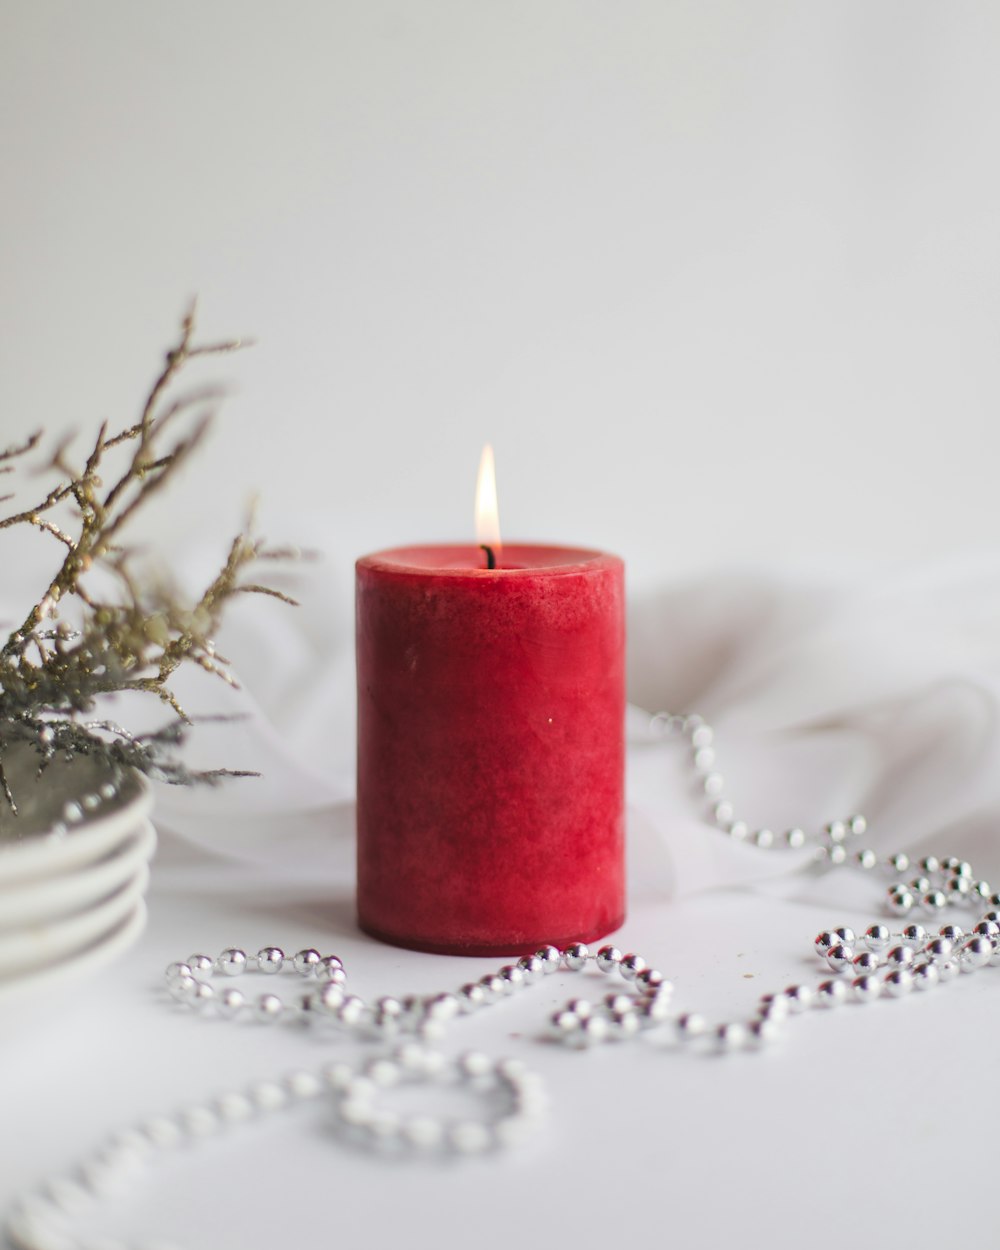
(884, 963)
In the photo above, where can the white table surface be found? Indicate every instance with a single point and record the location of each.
(849, 1131)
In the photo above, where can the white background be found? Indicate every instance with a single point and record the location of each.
(719, 281)
(720, 284)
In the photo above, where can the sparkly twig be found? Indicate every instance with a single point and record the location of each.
(5, 787)
(136, 642)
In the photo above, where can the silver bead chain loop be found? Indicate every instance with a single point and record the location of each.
(369, 1124)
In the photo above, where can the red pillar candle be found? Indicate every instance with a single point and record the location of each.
(490, 747)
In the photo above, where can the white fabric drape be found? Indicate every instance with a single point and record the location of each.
(827, 697)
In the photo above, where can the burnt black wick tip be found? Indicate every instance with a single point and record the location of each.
(491, 560)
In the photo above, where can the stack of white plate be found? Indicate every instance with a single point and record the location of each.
(74, 866)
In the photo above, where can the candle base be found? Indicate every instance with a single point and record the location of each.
(490, 950)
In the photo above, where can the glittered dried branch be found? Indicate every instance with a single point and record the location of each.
(52, 674)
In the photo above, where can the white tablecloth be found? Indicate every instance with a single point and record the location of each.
(817, 1140)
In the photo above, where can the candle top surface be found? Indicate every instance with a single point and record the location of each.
(465, 559)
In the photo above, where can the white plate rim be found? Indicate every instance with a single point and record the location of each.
(115, 942)
(36, 946)
(49, 898)
(47, 854)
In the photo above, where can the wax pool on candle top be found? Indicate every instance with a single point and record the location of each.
(490, 747)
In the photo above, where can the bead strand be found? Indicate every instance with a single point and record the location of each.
(944, 882)
(891, 965)
(830, 844)
(367, 1123)
(188, 982)
(90, 804)
(619, 1017)
(881, 964)
(47, 1218)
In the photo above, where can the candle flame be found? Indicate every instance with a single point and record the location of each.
(487, 513)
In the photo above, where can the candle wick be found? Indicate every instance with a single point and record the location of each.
(491, 560)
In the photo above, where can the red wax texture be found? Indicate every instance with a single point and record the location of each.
(490, 747)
